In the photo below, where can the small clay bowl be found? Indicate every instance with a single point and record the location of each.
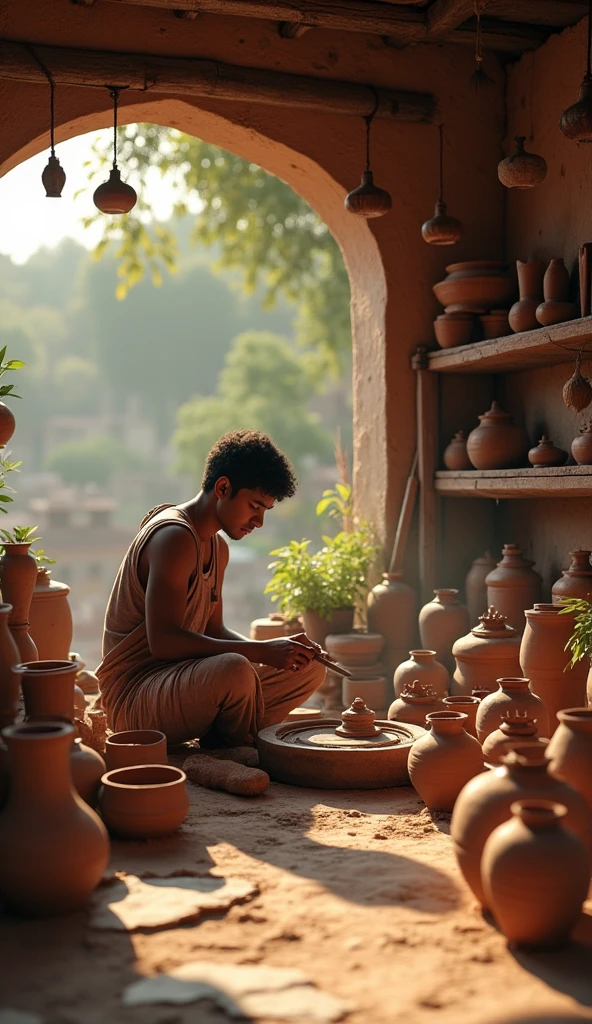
(450, 333)
(144, 802)
(495, 325)
(136, 746)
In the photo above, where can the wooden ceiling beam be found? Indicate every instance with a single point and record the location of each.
(444, 16)
(553, 13)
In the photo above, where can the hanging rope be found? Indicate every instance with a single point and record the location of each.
(49, 77)
(368, 118)
(479, 79)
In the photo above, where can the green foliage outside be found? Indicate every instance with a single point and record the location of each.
(93, 460)
(20, 535)
(580, 642)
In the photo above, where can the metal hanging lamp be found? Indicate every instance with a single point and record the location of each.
(53, 175)
(441, 229)
(114, 195)
(576, 121)
(367, 200)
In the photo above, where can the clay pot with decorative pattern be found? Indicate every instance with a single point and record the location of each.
(416, 701)
(422, 667)
(489, 652)
(511, 695)
(515, 729)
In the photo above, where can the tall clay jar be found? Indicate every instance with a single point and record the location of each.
(545, 661)
(442, 762)
(10, 682)
(441, 621)
(489, 652)
(18, 574)
(570, 750)
(535, 904)
(522, 315)
(50, 617)
(576, 581)
(475, 586)
(511, 695)
(53, 847)
(422, 667)
(392, 611)
(513, 586)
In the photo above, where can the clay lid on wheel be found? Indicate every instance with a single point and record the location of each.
(418, 693)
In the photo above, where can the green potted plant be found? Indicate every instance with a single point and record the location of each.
(18, 575)
(580, 642)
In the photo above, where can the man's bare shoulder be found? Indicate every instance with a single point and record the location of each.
(171, 540)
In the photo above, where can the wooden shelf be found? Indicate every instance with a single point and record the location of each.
(515, 352)
(556, 482)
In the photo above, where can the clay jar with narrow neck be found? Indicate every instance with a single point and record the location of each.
(441, 621)
(545, 661)
(511, 695)
(441, 763)
(18, 573)
(53, 847)
(520, 863)
(576, 581)
(468, 706)
(475, 587)
(513, 586)
(392, 611)
(486, 800)
(516, 728)
(50, 617)
(489, 652)
(422, 667)
(414, 704)
(570, 750)
(10, 681)
(497, 443)
(556, 308)
(522, 315)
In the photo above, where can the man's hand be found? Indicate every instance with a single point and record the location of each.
(287, 652)
(302, 638)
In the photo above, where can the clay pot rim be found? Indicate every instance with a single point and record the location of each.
(13, 545)
(110, 777)
(515, 682)
(28, 730)
(452, 268)
(446, 716)
(117, 740)
(538, 811)
(393, 575)
(454, 698)
(543, 608)
(32, 668)
(575, 716)
(423, 651)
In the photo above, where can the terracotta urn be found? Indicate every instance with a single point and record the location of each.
(53, 847)
(489, 651)
(10, 681)
(355, 648)
(511, 695)
(455, 454)
(50, 619)
(317, 629)
(144, 802)
(513, 586)
(423, 667)
(441, 621)
(516, 728)
(520, 862)
(547, 454)
(415, 702)
(581, 446)
(468, 706)
(497, 443)
(442, 762)
(18, 574)
(530, 283)
(556, 308)
(576, 581)
(392, 612)
(545, 661)
(135, 746)
(486, 800)
(570, 750)
(475, 587)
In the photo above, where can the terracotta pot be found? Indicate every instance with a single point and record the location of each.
(530, 282)
(136, 746)
(515, 729)
(144, 802)
(495, 325)
(441, 621)
(475, 588)
(489, 652)
(87, 767)
(468, 706)
(50, 619)
(485, 803)
(455, 454)
(18, 574)
(513, 586)
(423, 667)
(442, 762)
(392, 612)
(520, 863)
(355, 648)
(570, 750)
(53, 847)
(497, 443)
(317, 629)
(415, 702)
(576, 581)
(545, 661)
(556, 308)
(549, 313)
(451, 332)
(511, 695)
(10, 682)
(547, 454)
(479, 283)
(7, 424)
(581, 446)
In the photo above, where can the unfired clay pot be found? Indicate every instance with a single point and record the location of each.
(581, 446)
(392, 612)
(468, 706)
(422, 666)
(144, 802)
(18, 573)
(317, 629)
(513, 586)
(556, 308)
(442, 762)
(515, 729)
(497, 443)
(475, 587)
(511, 695)
(455, 454)
(547, 454)
(530, 282)
(441, 621)
(485, 803)
(53, 847)
(415, 702)
(10, 682)
(50, 617)
(545, 661)
(520, 864)
(576, 581)
(488, 652)
(570, 750)
(135, 746)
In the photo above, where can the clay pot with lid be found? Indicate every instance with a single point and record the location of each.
(556, 308)
(570, 750)
(455, 454)
(442, 762)
(422, 666)
(475, 588)
(416, 701)
(511, 695)
(53, 847)
(545, 661)
(547, 454)
(50, 618)
(135, 746)
(441, 621)
(486, 800)
(581, 446)
(576, 581)
(522, 315)
(18, 574)
(143, 802)
(497, 443)
(392, 612)
(489, 652)
(519, 864)
(513, 586)
(516, 728)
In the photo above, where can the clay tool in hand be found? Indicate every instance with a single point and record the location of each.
(338, 669)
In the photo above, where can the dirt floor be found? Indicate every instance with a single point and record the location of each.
(360, 890)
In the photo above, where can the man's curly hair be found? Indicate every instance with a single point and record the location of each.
(250, 459)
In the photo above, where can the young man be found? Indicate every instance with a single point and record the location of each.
(169, 662)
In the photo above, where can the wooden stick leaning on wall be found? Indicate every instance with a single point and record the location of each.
(405, 518)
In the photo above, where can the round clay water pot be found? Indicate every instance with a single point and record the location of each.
(522, 315)
(486, 800)
(516, 728)
(455, 454)
(317, 629)
(50, 618)
(576, 581)
(497, 443)
(545, 660)
(468, 706)
(513, 586)
(143, 802)
(442, 762)
(489, 652)
(423, 667)
(570, 750)
(511, 695)
(18, 574)
(415, 702)
(581, 446)
(441, 621)
(547, 454)
(10, 681)
(392, 612)
(475, 587)
(135, 746)
(355, 648)
(519, 865)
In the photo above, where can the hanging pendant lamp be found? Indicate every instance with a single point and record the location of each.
(576, 121)
(53, 175)
(367, 200)
(522, 169)
(114, 196)
(441, 229)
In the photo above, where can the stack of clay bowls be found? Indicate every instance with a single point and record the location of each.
(476, 297)
(359, 652)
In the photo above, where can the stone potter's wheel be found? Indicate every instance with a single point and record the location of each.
(354, 752)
